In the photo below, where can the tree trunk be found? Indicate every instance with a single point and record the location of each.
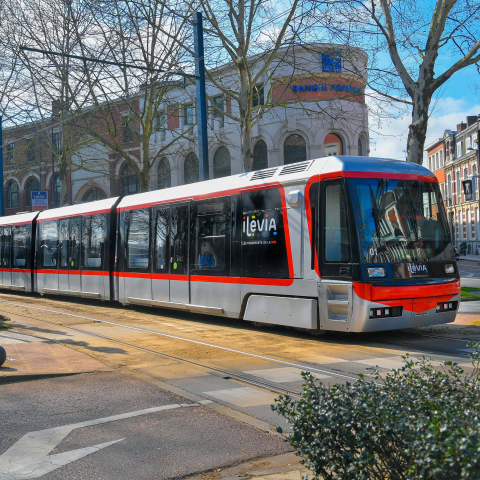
(417, 131)
(62, 175)
(143, 181)
(245, 121)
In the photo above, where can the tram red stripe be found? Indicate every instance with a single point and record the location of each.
(283, 282)
(14, 270)
(74, 272)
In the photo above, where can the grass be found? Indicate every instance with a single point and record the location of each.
(467, 295)
(3, 322)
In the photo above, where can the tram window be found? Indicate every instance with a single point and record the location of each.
(63, 245)
(336, 238)
(162, 217)
(75, 243)
(210, 255)
(21, 241)
(264, 249)
(93, 240)
(48, 244)
(138, 239)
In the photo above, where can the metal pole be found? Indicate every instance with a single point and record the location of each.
(201, 96)
(53, 170)
(2, 194)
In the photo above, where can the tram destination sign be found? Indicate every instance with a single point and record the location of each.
(39, 200)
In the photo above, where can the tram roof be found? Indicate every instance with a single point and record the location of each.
(324, 167)
(89, 208)
(19, 219)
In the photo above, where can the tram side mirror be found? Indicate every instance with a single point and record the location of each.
(294, 198)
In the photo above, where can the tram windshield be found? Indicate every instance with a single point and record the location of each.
(400, 221)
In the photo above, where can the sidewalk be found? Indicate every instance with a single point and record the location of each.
(31, 357)
(469, 257)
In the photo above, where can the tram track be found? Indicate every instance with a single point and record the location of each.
(224, 373)
(426, 350)
(429, 349)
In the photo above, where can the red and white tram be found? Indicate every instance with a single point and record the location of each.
(338, 243)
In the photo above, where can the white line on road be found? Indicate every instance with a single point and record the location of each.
(29, 457)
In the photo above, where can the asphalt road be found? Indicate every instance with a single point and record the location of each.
(469, 268)
(167, 444)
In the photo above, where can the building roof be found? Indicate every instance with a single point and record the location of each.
(434, 143)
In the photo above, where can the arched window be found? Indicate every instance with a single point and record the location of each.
(12, 195)
(130, 181)
(94, 194)
(221, 163)
(191, 169)
(360, 148)
(260, 155)
(332, 145)
(164, 177)
(32, 186)
(294, 149)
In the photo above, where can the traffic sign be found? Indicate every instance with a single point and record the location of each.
(39, 200)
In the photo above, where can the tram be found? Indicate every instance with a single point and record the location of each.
(349, 244)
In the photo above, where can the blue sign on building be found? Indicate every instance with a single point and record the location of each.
(332, 63)
(39, 200)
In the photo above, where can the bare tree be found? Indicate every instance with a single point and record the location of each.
(46, 84)
(129, 104)
(248, 33)
(426, 42)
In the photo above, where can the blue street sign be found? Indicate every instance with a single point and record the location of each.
(39, 200)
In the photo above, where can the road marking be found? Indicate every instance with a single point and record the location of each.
(29, 457)
(244, 397)
(282, 375)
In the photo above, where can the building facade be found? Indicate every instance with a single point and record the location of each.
(312, 105)
(454, 159)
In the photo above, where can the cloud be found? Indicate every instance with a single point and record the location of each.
(388, 139)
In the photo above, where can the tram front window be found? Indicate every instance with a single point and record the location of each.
(400, 221)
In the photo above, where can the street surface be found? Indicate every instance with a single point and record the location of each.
(469, 269)
(194, 392)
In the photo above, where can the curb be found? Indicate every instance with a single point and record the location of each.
(469, 300)
(4, 379)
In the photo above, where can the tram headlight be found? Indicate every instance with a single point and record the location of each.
(376, 272)
(449, 268)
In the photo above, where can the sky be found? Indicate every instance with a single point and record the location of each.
(457, 99)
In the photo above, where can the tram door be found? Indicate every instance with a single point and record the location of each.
(6, 255)
(170, 277)
(75, 237)
(69, 249)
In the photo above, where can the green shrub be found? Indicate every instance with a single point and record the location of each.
(3, 322)
(417, 422)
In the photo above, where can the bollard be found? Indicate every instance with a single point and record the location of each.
(3, 356)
